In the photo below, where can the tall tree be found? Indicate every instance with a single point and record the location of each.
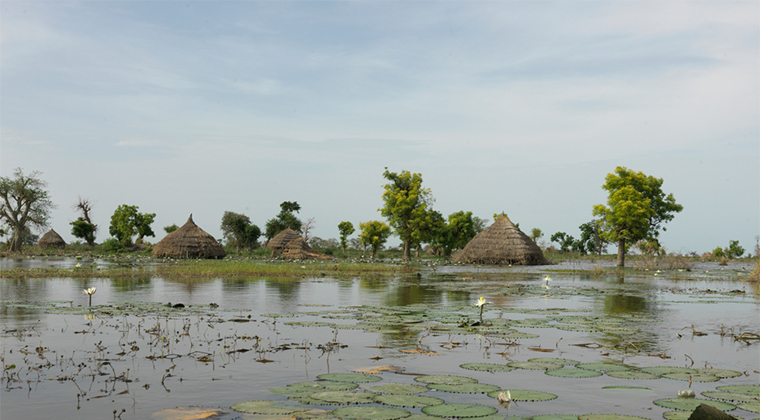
(26, 204)
(636, 208)
(285, 219)
(238, 231)
(374, 234)
(427, 227)
(127, 221)
(83, 227)
(536, 234)
(457, 232)
(405, 204)
(345, 229)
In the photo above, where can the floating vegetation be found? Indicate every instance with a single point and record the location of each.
(692, 403)
(487, 367)
(408, 400)
(467, 388)
(573, 373)
(539, 365)
(275, 408)
(398, 389)
(604, 367)
(370, 413)
(691, 377)
(525, 395)
(632, 374)
(349, 377)
(445, 379)
(459, 410)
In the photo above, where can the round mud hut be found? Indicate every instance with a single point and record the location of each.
(51, 240)
(189, 241)
(501, 243)
(298, 249)
(278, 243)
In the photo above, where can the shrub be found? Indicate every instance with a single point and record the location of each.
(112, 245)
(734, 250)
(718, 252)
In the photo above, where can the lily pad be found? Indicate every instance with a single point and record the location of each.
(487, 367)
(469, 388)
(445, 379)
(751, 407)
(556, 360)
(408, 400)
(304, 389)
(349, 377)
(692, 403)
(370, 413)
(268, 407)
(626, 387)
(459, 410)
(573, 373)
(525, 395)
(721, 373)
(742, 389)
(604, 367)
(610, 417)
(536, 365)
(695, 377)
(344, 397)
(555, 417)
(632, 374)
(659, 370)
(731, 396)
(677, 415)
(398, 389)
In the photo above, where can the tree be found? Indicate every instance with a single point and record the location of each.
(26, 204)
(405, 202)
(171, 228)
(478, 224)
(591, 239)
(345, 229)
(374, 234)
(238, 231)
(457, 232)
(285, 219)
(126, 222)
(564, 240)
(307, 227)
(636, 208)
(536, 234)
(427, 227)
(734, 250)
(83, 229)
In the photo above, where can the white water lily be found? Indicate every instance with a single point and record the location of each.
(91, 291)
(480, 302)
(504, 397)
(78, 265)
(686, 393)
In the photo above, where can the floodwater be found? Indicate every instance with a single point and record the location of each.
(237, 338)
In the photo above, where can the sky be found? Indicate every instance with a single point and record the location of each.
(521, 107)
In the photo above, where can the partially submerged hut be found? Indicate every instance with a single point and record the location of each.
(501, 243)
(189, 241)
(298, 249)
(277, 244)
(51, 240)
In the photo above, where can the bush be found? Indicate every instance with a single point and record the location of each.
(112, 245)
(718, 252)
(734, 250)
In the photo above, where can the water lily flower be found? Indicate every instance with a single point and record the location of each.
(91, 291)
(480, 302)
(78, 265)
(686, 393)
(504, 397)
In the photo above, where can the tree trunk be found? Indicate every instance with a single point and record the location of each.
(16, 241)
(621, 253)
(374, 249)
(407, 251)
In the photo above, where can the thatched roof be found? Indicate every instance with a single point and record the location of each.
(501, 243)
(277, 244)
(189, 241)
(52, 240)
(298, 249)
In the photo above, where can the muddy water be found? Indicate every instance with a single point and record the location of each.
(142, 361)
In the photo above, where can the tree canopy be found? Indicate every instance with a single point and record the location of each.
(26, 204)
(345, 229)
(126, 222)
(285, 219)
(406, 207)
(239, 231)
(457, 232)
(83, 229)
(374, 234)
(636, 208)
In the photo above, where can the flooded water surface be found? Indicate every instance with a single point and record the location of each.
(588, 345)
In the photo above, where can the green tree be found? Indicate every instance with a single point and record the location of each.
(478, 224)
(171, 228)
(238, 231)
(457, 232)
(427, 228)
(405, 204)
(564, 240)
(374, 234)
(636, 208)
(126, 222)
(591, 238)
(734, 250)
(536, 234)
(26, 204)
(83, 229)
(345, 229)
(285, 219)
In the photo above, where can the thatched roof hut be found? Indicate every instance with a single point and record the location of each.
(277, 244)
(501, 243)
(51, 240)
(298, 249)
(189, 241)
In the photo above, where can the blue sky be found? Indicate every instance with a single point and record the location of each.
(199, 107)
